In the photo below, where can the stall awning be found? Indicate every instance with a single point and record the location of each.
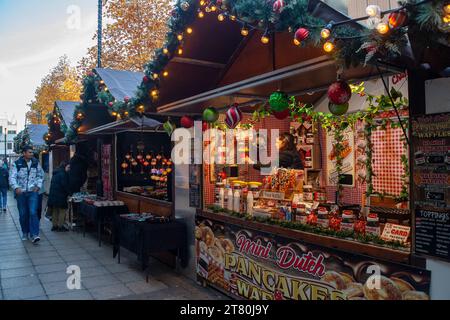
(219, 67)
(120, 83)
(37, 132)
(67, 109)
(132, 124)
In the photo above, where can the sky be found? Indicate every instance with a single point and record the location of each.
(33, 35)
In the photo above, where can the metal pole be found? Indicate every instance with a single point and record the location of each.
(100, 32)
(6, 136)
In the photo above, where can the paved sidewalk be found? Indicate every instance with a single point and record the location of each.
(38, 272)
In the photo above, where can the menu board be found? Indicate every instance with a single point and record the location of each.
(433, 233)
(195, 186)
(431, 183)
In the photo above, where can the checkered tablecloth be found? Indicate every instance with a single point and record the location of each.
(387, 165)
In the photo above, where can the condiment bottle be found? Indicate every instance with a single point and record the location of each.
(237, 198)
(230, 199)
(348, 220)
(373, 224)
(222, 198)
(250, 203)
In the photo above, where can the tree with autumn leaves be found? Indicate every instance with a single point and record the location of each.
(61, 83)
(136, 29)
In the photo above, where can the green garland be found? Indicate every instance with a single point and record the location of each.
(350, 235)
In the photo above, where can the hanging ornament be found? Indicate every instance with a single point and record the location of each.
(110, 104)
(185, 6)
(148, 157)
(338, 109)
(382, 28)
(278, 6)
(146, 163)
(169, 127)
(145, 79)
(398, 19)
(279, 101)
(124, 166)
(187, 122)
(301, 34)
(339, 92)
(126, 99)
(210, 115)
(140, 157)
(281, 115)
(233, 117)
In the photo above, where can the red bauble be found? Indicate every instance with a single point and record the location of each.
(126, 99)
(360, 227)
(278, 5)
(187, 122)
(335, 223)
(110, 104)
(311, 219)
(204, 126)
(398, 19)
(301, 34)
(145, 79)
(282, 114)
(339, 92)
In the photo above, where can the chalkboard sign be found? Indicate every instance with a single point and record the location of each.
(431, 184)
(433, 233)
(195, 186)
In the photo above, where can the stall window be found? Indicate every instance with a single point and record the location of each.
(9, 146)
(144, 166)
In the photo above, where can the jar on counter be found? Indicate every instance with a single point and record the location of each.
(310, 138)
(308, 194)
(348, 220)
(320, 196)
(322, 217)
(373, 224)
(300, 213)
(218, 186)
(254, 188)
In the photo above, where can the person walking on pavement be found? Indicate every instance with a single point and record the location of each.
(57, 198)
(26, 178)
(4, 185)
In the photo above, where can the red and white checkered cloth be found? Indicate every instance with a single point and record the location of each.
(386, 164)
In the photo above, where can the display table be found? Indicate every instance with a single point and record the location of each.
(100, 215)
(145, 238)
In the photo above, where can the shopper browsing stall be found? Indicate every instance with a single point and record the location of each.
(57, 200)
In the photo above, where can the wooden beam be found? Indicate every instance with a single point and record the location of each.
(202, 63)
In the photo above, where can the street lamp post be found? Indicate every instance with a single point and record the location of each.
(6, 137)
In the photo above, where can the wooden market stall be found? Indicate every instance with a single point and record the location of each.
(301, 228)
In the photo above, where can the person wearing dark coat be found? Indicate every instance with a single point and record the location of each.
(78, 172)
(289, 157)
(57, 198)
(4, 185)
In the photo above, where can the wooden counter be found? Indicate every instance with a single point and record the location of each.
(325, 241)
(139, 204)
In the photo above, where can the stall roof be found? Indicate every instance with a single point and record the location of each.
(135, 123)
(67, 109)
(220, 67)
(37, 132)
(120, 83)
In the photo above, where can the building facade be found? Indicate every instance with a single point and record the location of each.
(8, 130)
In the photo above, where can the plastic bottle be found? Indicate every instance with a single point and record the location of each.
(230, 199)
(237, 200)
(250, 203)
(222, 198)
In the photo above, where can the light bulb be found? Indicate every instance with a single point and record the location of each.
(154, 93)
(180, 51)
(201, 14)
(233, 18)
(325, 33)
(165, 73)
(244, 31)
(447, 8)
(180, 37)
(213, 8)
(165, 51)
(202, 2)
(446, 19)
(155, 76)
(383, 28)
(296, 42)
(141, 109)
(265, 39)
(114, 114)
(220, 17)
(189, 30)
(328, 46)
(373, 10)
